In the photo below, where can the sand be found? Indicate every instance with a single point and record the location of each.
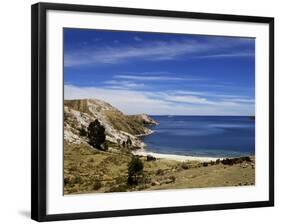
(180, 158)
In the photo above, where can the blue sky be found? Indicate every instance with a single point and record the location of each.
(161, 74)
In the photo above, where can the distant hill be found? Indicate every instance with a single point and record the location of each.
(118, 126)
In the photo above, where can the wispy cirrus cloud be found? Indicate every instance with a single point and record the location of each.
(162, 103)
(155, 51)
(229, 55)
(117, 84)
(152, 78)
(148, 80)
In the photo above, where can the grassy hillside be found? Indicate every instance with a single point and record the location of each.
(88, 170)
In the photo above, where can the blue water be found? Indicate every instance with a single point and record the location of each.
(211, 136)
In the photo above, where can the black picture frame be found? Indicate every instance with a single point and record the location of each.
(39, 122)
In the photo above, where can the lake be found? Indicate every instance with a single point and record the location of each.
(210, 136)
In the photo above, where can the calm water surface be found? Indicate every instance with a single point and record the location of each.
(212, 136)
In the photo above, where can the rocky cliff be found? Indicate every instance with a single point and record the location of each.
(118, 126)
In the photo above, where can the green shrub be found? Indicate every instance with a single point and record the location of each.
(135, 169)
(96, 135)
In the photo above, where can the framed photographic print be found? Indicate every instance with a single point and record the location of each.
(139, 111)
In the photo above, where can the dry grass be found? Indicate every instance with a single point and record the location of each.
(125, 123)
(89, 170)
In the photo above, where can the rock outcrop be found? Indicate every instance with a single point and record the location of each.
(144, 119)
(118, 126)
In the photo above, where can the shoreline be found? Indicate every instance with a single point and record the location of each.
(179, 158)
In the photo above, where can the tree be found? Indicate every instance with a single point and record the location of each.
(96, 135)
(135, 169)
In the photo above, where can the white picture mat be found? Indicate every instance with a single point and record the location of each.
(57, 203)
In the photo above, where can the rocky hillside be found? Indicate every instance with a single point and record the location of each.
(118, 127)
(143, 119)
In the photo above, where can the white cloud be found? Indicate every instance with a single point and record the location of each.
(148, 51)
(243, 100)
(186, 99)
(153, 51)
(228, 55)
(150, 78)
(117, 84)
(159, 103)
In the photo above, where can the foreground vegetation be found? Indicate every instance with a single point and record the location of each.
(89, 170)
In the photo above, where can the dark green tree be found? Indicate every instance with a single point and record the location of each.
(96, 135)
(135, 169)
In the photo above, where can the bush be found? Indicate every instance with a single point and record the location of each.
(238, 160)
(135, 169)
(227, 161)
(150, 158)
(83, 132)
(96, 135)
(205, 164)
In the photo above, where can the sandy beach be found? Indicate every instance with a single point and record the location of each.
(180, 158)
